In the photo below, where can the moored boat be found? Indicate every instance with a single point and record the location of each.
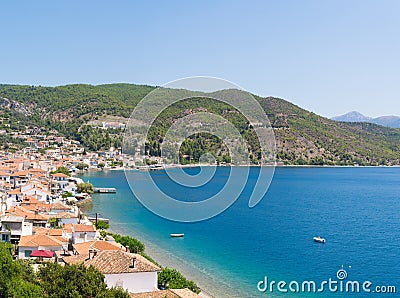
(319, 239)
(177, 235)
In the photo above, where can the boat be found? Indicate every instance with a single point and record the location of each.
(319, 239)
(177, 235)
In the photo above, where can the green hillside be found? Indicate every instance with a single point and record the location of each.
(302, 137)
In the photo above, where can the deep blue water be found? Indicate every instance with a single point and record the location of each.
(355, 209)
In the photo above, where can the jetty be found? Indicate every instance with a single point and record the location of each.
(93, 219)
(105, 190)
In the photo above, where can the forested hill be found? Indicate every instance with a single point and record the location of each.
(302, 137)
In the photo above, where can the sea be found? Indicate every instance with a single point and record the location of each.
(268, 250)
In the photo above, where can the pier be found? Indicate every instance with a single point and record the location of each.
(105, 190)
(93, 219)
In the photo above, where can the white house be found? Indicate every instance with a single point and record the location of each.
(13, 228)
(59, 182)
(58, 207)
(5, 177)
(83, 233)
(38, 193)
(67, 218)
(28, 244)
(130, 271)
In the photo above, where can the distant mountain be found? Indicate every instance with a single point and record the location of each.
(388, 121)
(352, 117)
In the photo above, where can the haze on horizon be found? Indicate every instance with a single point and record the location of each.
(327, 57)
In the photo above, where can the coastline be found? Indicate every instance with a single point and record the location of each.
(209, 282)
(210, 285)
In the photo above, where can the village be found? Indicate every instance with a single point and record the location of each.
(40, 217)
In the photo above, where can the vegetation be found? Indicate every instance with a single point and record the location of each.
(85, 187)
(82, 166)
(17, 279)
(54, 223)
(134, 245)
(67, 194)
(302, 137)
(62, 170)
(173, 279)
(75, 281)
(101, 225)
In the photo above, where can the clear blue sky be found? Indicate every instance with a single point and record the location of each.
(330, 57)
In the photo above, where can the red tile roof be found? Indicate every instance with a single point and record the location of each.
(42, 240)
(116, 261)
(99, 245)
(83, 228)
(59, 175)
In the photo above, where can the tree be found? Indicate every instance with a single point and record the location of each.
(101, 165)
(67, 194)
(76, 281)
(54, 222)
(85, 187)
(101, 225)
(25, 289)
(17, 278)
(82, 166)
(135, 245)
(175, 280)
(62, 170)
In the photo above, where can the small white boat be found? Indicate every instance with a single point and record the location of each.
(319, 239)
(177, 235)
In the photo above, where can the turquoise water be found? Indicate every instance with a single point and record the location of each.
(355, 209)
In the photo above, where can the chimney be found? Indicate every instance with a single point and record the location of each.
(127, 248)
(92, 253)
(134, 263)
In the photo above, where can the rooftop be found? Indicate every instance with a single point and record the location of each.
(83, 228)
(99, 245)
(170, 293)
(59, 175)
(42, 240)
(115, 262)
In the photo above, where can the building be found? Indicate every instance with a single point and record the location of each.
(83, 233)
(28, 244)
(96, 245)
(59, 182)
(13, 228)
(130, 271)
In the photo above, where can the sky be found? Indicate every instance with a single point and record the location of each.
(329, 57)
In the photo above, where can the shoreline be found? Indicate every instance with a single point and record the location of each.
(209, 285)
(208, 282)
(177, 166)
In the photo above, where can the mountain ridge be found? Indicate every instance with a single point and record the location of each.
(302, 137)
(354, 116)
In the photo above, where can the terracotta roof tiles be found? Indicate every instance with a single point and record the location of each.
(42, 240)
(99, 245)
(117, 261)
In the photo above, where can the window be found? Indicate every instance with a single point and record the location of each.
(5, 238)
(28, 253)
